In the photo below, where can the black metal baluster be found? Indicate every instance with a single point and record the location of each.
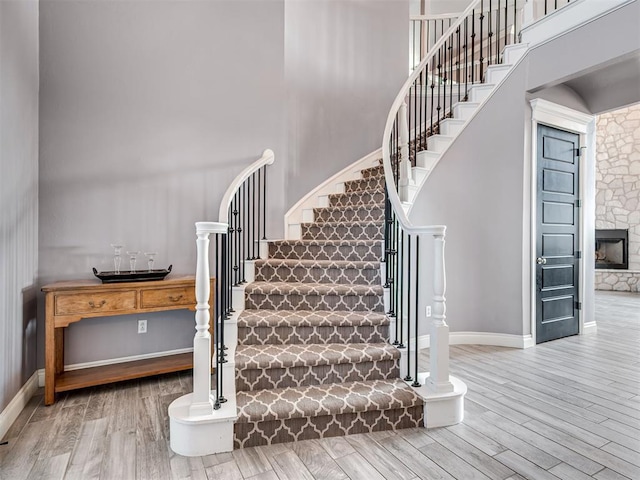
(473, 47)
(399, 318)
(439, 82)
(450, 74)
(458, 68)
(466, 58)
(216, 321)
(397, 264)
(257, 213)
(497, 34)
(229, 275)
(433, 87)
(515, 21)
(408, 377)
(264, 204)
(490, 33)
(481, 40)
(235, 254)
(545, 6)
(243, 216)
(444, 84)
(219, 373)
(417, 315)
(254, 216)
(506, 23)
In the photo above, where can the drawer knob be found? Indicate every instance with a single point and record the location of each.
(175, 298)
(100, 305)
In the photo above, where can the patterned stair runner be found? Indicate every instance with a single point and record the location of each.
(313, 358)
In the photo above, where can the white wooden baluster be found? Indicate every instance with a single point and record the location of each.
(405, 164)
(438, 380)
(202, 403)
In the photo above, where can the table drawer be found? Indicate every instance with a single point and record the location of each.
(166, 297)
(83, 303)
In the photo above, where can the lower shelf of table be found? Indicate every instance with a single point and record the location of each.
(89, 377)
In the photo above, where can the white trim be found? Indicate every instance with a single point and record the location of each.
(568, 18)
(267, 158)
(589, 328)
(481, 338)
(17, 404)
(114, 361)
(554, 115)
(352, 172)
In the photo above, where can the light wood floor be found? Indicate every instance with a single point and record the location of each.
(567, 409)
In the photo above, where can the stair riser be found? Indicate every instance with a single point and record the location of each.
(373, 183)
(355, 303)
(311, 231)
(356, 199)
(303, 274)
(318, 335)
(364, 214)
(258, 379)
(352, 253)
(297, 429)
(373, 172)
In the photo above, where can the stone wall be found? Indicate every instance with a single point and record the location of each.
(618, 190)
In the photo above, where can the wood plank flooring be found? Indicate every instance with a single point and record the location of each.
(568, 409)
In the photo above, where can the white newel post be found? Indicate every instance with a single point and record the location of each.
(405, 164)
(438, 380)
(201, 403)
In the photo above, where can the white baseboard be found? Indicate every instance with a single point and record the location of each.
(482, 338)
(589, 328)
(113, 361)
(17, 404)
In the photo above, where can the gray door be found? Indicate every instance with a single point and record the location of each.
(557, 254)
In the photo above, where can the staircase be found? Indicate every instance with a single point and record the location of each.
(313, 358)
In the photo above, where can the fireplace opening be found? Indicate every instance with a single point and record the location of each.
(612, 249)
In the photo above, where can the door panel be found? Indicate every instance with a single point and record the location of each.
(557, 265)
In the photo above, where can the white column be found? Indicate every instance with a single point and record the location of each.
(201, 403)
(438, 380)
(405, 164)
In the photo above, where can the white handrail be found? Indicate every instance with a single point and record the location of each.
(267, 158)
(440, 16)
(392, 193)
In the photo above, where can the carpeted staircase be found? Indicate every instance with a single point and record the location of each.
(313, 358)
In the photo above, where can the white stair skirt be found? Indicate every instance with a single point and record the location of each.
(442, 409)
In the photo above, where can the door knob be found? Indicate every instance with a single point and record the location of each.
(541, 261)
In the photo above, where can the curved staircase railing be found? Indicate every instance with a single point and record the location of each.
(439, 84)
(237, 234)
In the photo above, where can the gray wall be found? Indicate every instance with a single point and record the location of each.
(480, 189)
(18, 194)
(148, 110)
(345, 63)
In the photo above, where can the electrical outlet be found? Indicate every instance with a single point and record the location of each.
(142, 326)
(428, 311)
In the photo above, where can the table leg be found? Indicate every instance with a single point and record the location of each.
(49, 353)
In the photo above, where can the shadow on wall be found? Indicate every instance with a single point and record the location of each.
(29, 320)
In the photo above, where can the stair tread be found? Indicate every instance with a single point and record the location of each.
(269, 356)
(318, 263)
(332, 224)
(319, 400)
(304, 318)
(349, 207)
(326, 242)
(291, 288)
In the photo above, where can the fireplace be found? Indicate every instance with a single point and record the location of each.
(612, 249)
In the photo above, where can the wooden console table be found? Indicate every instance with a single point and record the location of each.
(72, 301)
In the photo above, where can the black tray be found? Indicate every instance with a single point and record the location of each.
(128, 276)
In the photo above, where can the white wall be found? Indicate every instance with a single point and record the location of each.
(148, 110)
(18, 193)
(345, 63)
